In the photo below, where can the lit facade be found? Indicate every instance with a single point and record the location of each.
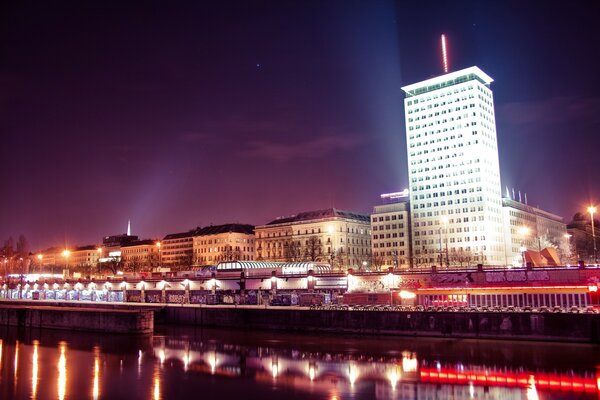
(341, 238)
(85, 256)
(527, 227)
(390, 235)
(141, 255)
(454, 174)
(176, 249)
(229, 242)
(582, 238)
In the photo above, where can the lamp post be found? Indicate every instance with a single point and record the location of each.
(592, 210)
(445, 224)
(40, 257)
(330, 231)
(440, 233)
(99, 250)
(66, 253)
(159, 258)
(523, 231)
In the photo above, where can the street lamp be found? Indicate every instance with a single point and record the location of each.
(445, 224)
(66, 253)
(523, 231)
(158, 247)
(592, 210)
(330, 231)
(40, 257)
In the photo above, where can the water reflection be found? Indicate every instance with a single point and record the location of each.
(225, 363)
(96, 384)
(156, 382)
(62, 371)
(34, 369)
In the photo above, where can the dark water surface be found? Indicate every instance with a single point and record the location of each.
(188, 363)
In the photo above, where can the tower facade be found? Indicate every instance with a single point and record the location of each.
(454, 173)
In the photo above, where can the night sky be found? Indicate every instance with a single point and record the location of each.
(176, 115)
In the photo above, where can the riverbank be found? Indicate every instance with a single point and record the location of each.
(557, 327)
(96, 319)
(582, 328)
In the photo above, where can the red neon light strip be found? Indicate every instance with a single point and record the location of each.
(542, 381)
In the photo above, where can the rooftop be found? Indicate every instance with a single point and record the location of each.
(320, 214)
(144, 242)
(450, 79)
(181, 235)
(226, 228)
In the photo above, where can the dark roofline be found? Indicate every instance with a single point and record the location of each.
(225, 228)
(181, 235)
(140, 243)
(86, 247)
(321, 214)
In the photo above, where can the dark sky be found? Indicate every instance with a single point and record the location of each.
(183, 114)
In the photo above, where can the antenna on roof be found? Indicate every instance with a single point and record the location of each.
(444, 53)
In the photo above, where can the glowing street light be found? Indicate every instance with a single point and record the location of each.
(592, 210)
(66, 253)
(40, 257)
(158, 244)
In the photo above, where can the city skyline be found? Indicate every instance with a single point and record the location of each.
(173, 123)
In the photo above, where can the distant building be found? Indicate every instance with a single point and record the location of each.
(83, 257)
(453, 169)
(530, 228)
(49, 257)
(176, 249)
(342, 238)
(228, 242)
(139, 256)
(390, 232)
(581, 239)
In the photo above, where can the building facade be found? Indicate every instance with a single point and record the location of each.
(228, 242)
(177, 249)
(390, 233)
(454, 174)
(83, 257)
(581, 238)
(140, 256)
(530, 228)
(339, 237)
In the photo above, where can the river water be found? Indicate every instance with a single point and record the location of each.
(180, 363)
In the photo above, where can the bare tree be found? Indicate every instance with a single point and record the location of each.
(293, 251)
(114, 265)
(22, 246)
(312, 248)
(377, 262)
(461, 257)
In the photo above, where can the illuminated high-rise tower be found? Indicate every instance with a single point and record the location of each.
(454, 174)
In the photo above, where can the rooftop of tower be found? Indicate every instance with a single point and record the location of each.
(450, 79)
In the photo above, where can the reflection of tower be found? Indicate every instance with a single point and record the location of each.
(129, 228)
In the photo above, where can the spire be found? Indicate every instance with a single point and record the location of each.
(129, 228)
(444, 54)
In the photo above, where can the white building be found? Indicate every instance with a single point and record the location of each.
(220, 243)
(454, 170)
(390, 232)
(341, 238)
